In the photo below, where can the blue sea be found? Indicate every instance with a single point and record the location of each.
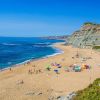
(16, 50)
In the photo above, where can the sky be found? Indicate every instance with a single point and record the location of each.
(32, 18)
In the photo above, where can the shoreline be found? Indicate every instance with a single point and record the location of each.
(35, 59)
(48, 83)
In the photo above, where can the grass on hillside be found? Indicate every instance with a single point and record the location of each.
(92, 92)
(96, 47)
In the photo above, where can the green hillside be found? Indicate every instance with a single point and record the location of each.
(92, 92)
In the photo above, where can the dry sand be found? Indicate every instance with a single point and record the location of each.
(19, 84)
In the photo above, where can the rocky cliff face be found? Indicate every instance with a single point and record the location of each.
(88, 36)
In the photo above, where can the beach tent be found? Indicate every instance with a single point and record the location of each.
(84, 66)
(87, 66)
(57, 71)
(77, 68)
(66, 69)
(48, 68)
(59, 66)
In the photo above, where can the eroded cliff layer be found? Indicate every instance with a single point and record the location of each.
(88, 36)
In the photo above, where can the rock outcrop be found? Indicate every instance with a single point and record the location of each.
(88, 36)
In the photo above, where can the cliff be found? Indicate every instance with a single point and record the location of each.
(86, 37)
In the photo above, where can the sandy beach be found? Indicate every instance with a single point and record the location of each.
(32, 81)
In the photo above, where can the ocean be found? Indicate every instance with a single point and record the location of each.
(16, 50)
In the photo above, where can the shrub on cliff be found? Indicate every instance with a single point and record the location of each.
(92, 92)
